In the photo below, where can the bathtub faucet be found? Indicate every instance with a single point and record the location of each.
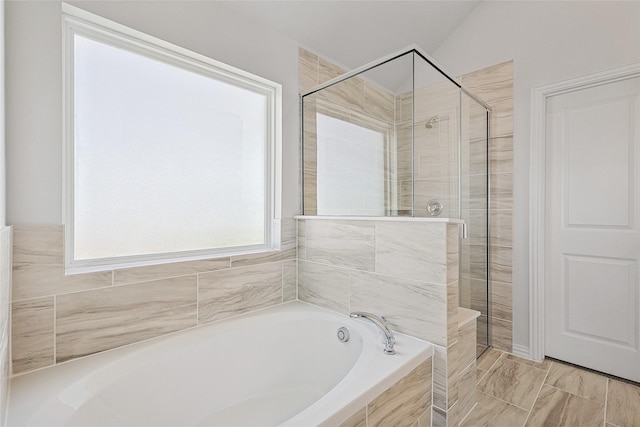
(381, 323)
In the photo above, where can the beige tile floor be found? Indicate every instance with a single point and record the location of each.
(515, 392)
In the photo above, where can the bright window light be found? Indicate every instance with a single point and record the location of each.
(168, 157)
(351, 165)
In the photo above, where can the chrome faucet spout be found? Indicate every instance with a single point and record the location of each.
(382, 324)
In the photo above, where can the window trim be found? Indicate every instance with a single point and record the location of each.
(78, 21)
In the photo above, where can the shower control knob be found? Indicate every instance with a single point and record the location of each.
(434, 207)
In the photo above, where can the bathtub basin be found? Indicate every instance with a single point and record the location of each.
(279, 366)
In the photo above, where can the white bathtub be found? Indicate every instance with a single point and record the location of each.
(279, 366)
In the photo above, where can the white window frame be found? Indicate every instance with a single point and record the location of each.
(78, 21)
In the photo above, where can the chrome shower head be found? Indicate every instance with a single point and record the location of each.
(432, 121)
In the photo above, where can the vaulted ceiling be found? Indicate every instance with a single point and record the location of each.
(353, 33)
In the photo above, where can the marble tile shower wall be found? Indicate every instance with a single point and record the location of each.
(428, 169)
(495, 86)
(57, 318)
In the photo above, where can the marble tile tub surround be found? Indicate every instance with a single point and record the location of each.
(515, 392)
(406, 403)
(57, 318)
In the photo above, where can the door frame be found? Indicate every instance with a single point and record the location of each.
(537, 185)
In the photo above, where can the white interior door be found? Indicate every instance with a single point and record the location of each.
(592, 295)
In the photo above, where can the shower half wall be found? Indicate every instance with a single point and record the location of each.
(398, 137)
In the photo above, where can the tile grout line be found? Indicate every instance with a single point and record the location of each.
(55, 329)
(571, 393)
(197, 300)
(606, 400)
(468, 413)
(482, 377)
(503, 401)
(495, 361)
(538, 394)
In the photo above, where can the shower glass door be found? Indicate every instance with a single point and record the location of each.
(474, 207)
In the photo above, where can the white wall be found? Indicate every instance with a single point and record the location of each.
(548, 41)
(34, 88)
(3, 190)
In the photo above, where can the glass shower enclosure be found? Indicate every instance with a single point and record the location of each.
(399, 137)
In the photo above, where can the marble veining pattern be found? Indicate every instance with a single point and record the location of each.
(404, 402)
(466, 391)
(452, 312)
(513, 382)
(326, 286)
(348, 244)
(453, 252)
(501, 191)
(558, 408)
(577, 381)
(289, 281)
(501, 230)
(124, 305)
(494, 412)
(401, 251)
(467, 344)
(155, 272)
(32, 334)
(568, 397)
(33, 280)
(425, 419)
(501, 333)
(623, 404)
(415, 308)
(93, 321)
(226, 293)
(38, 243)
(501, 300)
(359, 419)
(307, 70)
(501, 154)
(491, 83)
(440, 377)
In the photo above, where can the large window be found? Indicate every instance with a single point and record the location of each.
(169, 154)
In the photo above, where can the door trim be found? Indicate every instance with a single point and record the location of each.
(537, 208)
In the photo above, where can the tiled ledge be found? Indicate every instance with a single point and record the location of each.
(380, 218)
(466, 316)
